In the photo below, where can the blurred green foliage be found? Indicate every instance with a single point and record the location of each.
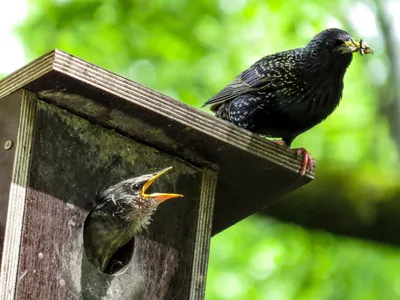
(191, 49)
(288, 262)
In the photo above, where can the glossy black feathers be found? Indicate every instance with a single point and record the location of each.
(287, 93)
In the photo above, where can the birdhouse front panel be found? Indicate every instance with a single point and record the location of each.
(71, 161)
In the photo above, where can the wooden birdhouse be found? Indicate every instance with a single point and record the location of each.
(69, 129)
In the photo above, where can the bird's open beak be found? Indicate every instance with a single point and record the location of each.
(160, 197)
(354, 46)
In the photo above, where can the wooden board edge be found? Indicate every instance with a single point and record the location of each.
(27, 74)
(203, 235)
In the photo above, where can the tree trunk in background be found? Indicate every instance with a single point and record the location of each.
(327, 204)
(389, 93)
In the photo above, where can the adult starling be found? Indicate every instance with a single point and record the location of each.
(124, 210)
(285, 94)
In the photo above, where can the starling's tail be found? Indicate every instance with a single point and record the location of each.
(215, 107)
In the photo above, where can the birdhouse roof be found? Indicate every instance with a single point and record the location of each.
(252, 171)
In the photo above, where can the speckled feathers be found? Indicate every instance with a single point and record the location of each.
(287, 93)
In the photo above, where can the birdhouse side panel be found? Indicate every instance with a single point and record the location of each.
(9, 116)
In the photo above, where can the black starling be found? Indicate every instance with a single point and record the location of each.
(285, 94)
(124, 210)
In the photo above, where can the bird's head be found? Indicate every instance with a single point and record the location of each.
(337, 43)
(124, 209)
(133, 200)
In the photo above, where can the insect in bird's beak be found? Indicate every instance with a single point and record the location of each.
(361, 47)
(159, 197)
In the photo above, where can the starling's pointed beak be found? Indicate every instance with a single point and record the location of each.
(159, 197)
(354, 46)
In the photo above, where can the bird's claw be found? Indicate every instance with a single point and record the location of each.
(307, 160)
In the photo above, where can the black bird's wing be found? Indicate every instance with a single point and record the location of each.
(254, 78)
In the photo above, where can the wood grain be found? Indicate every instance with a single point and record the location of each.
(203, 234)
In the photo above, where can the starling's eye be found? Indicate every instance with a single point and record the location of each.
(135, 187)
(338, 43)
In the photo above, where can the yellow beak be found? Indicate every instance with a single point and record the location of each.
(160, 197)
(361, 46)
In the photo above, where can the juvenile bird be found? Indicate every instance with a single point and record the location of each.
(124, 210)
(285, 94)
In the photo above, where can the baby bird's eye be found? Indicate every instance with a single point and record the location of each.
(135, 187)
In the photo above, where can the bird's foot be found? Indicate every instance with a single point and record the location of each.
(307, 159)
